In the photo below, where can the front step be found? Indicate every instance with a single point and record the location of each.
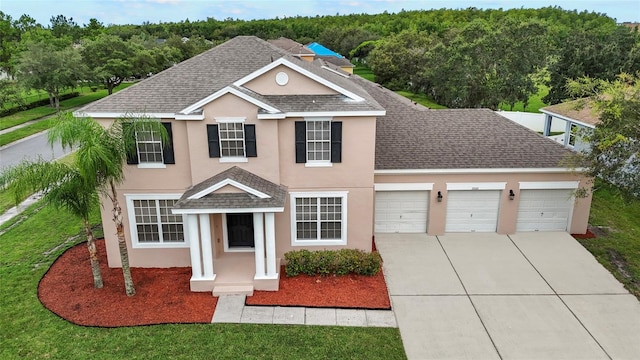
(233, 290)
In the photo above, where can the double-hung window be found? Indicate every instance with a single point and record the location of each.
(150, 152)
(319, 218)
(152, 223)
(318, 141)
(231, 140)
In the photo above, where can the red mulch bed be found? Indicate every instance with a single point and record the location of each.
(163, 295)
(587, 235)
(349, 291)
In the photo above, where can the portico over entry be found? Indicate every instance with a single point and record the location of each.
(237, 208)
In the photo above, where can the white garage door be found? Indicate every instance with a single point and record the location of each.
(544, 210)
(473, 210)
(401, 211)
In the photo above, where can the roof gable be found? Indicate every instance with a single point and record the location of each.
(284, 62)
(226, 183)
(580, 110)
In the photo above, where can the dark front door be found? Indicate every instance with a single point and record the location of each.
(240, 230)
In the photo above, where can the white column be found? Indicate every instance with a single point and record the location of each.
(207, 254)
(567, 133)
(270, 233)
(258, 238)
(194, 245)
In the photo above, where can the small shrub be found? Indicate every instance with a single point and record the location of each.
(338, 262)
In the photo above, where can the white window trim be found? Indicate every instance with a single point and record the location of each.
(152, 165)
(129, 198)
(230, 159)
(319, 194)
(148, 164)
(317, 163)
(225, 237)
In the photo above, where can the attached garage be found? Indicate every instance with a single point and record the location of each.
(401, 211)
(544, 209)
(471, 211)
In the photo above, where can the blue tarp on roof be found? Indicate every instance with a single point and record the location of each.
(322, 51)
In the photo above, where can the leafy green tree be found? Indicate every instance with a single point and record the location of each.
(599, 53)
(92, 29)
(64, 187)
(10, 94)
(100, 156)
(614, 153)
(61, 26)
(44, 67)
(110, 60)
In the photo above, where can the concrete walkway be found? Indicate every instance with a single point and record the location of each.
(491, 296)
(232, 309)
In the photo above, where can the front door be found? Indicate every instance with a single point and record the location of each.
(240, 230)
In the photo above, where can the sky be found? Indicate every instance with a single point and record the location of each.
(154, 11)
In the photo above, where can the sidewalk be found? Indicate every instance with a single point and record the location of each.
(232, 309)
(14, 211)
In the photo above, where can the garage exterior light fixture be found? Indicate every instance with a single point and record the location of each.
(511, 194)
(439, 196)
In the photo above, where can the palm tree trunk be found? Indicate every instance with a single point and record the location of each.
(122, 245)
(93, 256)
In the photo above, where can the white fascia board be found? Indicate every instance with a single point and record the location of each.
(115, 115)
(477, 186)
(294, 67)
(224, 91)
(322, 114)
(403, 187)
(225, 211)
(230, 182)
(335, 71)
(189, 117)
(524, 185)
(566, 118)
(479, 171)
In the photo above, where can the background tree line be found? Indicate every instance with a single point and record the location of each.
(460, 58)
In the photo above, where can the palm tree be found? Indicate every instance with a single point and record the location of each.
(100, 155)
(63, 187)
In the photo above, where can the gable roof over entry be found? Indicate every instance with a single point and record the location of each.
(255, 194)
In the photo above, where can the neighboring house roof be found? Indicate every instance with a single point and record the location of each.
(209, 199)
(411, 136)
(197, 78)
(290, 46)
(580, 110)
(340, 61)
(322, 51)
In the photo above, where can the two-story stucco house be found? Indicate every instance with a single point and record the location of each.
(270, 152)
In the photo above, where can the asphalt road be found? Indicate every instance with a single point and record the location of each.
(30, 148)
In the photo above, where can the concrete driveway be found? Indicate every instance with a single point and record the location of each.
(491, 296)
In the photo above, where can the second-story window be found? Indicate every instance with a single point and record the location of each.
(149, 146)
(318, 142)
(232, 140)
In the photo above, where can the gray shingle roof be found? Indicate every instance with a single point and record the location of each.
(411, 136)
(192, 80)
(293, 47)
(276, 192)
(337, 61)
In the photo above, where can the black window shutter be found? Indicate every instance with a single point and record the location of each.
(132, 158)
(167, 150)
(214, 141)
(250, 141)
(336, 141)
(301, 142)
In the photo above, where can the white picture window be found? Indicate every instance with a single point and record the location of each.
(231, 139)
(149, 146)
(319, 218)
(152, 223)
(319, 141)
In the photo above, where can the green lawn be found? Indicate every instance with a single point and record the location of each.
(535, 102)
(618, 249)
(363, 71)
(86, 96)
(421, 99)
(29, 331)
